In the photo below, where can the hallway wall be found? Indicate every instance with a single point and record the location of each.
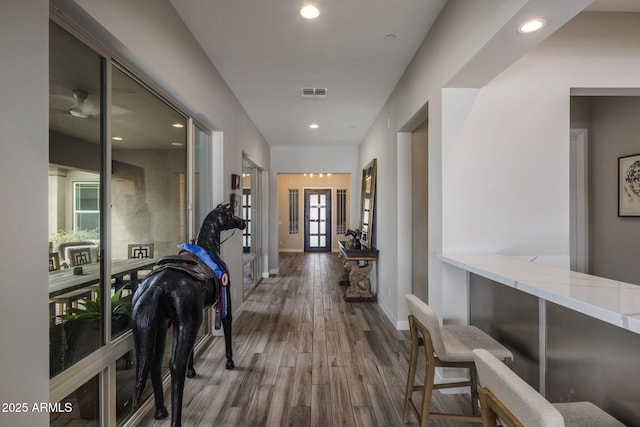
(152, 38)
(24, 104)
(498, 153)
(613, 132)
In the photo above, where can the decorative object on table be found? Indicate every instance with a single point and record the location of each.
(368, 203)
(359, 289)
(194, 279)
(354, 241)
(629, 185)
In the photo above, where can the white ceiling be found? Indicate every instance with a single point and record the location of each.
(267, 52)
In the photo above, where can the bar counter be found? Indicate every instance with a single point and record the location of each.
(611, 301)
(574, 336)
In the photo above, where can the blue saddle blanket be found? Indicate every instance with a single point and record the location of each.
(222, 274)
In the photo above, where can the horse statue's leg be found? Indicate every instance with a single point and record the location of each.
(156, 372)
(149, 333)
(185, 332)
(191, 372)
(226, 327)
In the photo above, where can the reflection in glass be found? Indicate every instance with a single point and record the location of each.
(202, 184)
(81, 407)
(148, 187)
(367, 204)
(75, 174)
(149, 166)
(202, 180)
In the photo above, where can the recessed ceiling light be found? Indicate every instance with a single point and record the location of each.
(314, 126)
(531, 26)
(117, 138)
(177, 125)
(309, 12)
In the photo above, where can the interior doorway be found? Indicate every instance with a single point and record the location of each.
(579, 202)
(317, 220)
(420, 211)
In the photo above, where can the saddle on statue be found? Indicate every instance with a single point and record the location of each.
(189, 263)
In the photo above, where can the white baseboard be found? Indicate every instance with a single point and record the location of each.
(402, 325)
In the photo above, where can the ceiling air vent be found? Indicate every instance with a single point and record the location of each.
(314, 92)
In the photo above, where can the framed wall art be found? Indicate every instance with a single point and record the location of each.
(629, 185)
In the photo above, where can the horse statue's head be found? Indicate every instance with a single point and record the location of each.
(220, 219)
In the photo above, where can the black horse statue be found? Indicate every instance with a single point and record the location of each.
(175, 294)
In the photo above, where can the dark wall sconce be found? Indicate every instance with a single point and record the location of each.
(235, 181)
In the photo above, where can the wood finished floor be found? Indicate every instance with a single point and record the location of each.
(304, 357)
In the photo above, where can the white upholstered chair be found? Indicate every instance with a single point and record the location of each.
(449, 346)
(504, 395)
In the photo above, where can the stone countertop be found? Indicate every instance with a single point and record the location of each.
(611, 301)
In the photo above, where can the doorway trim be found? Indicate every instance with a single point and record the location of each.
(579, 200)
(328, 226)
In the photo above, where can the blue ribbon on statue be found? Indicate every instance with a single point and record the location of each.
(221, 273)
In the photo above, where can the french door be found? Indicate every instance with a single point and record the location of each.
(317, 220)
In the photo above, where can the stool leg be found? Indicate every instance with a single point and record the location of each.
(427, 391)
(411, 377)
(473, 373)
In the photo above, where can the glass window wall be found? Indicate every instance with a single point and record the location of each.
(75, 177)
(111, 220)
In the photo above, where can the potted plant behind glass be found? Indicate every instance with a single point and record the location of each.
(81, 328)
(81, 335)
(89, 309)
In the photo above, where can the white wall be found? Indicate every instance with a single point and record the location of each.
(505, 158)
(478, 141)
(613, 240)
(455, 38)
(24, 106)
(154, 41)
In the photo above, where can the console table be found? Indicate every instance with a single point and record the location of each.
(358, 266)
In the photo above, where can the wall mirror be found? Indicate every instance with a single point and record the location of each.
(367, 204)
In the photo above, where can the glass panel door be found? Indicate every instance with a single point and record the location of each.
(250, 212)
(317, 207)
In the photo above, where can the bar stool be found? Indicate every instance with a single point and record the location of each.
(449, 346)
(506, 396)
